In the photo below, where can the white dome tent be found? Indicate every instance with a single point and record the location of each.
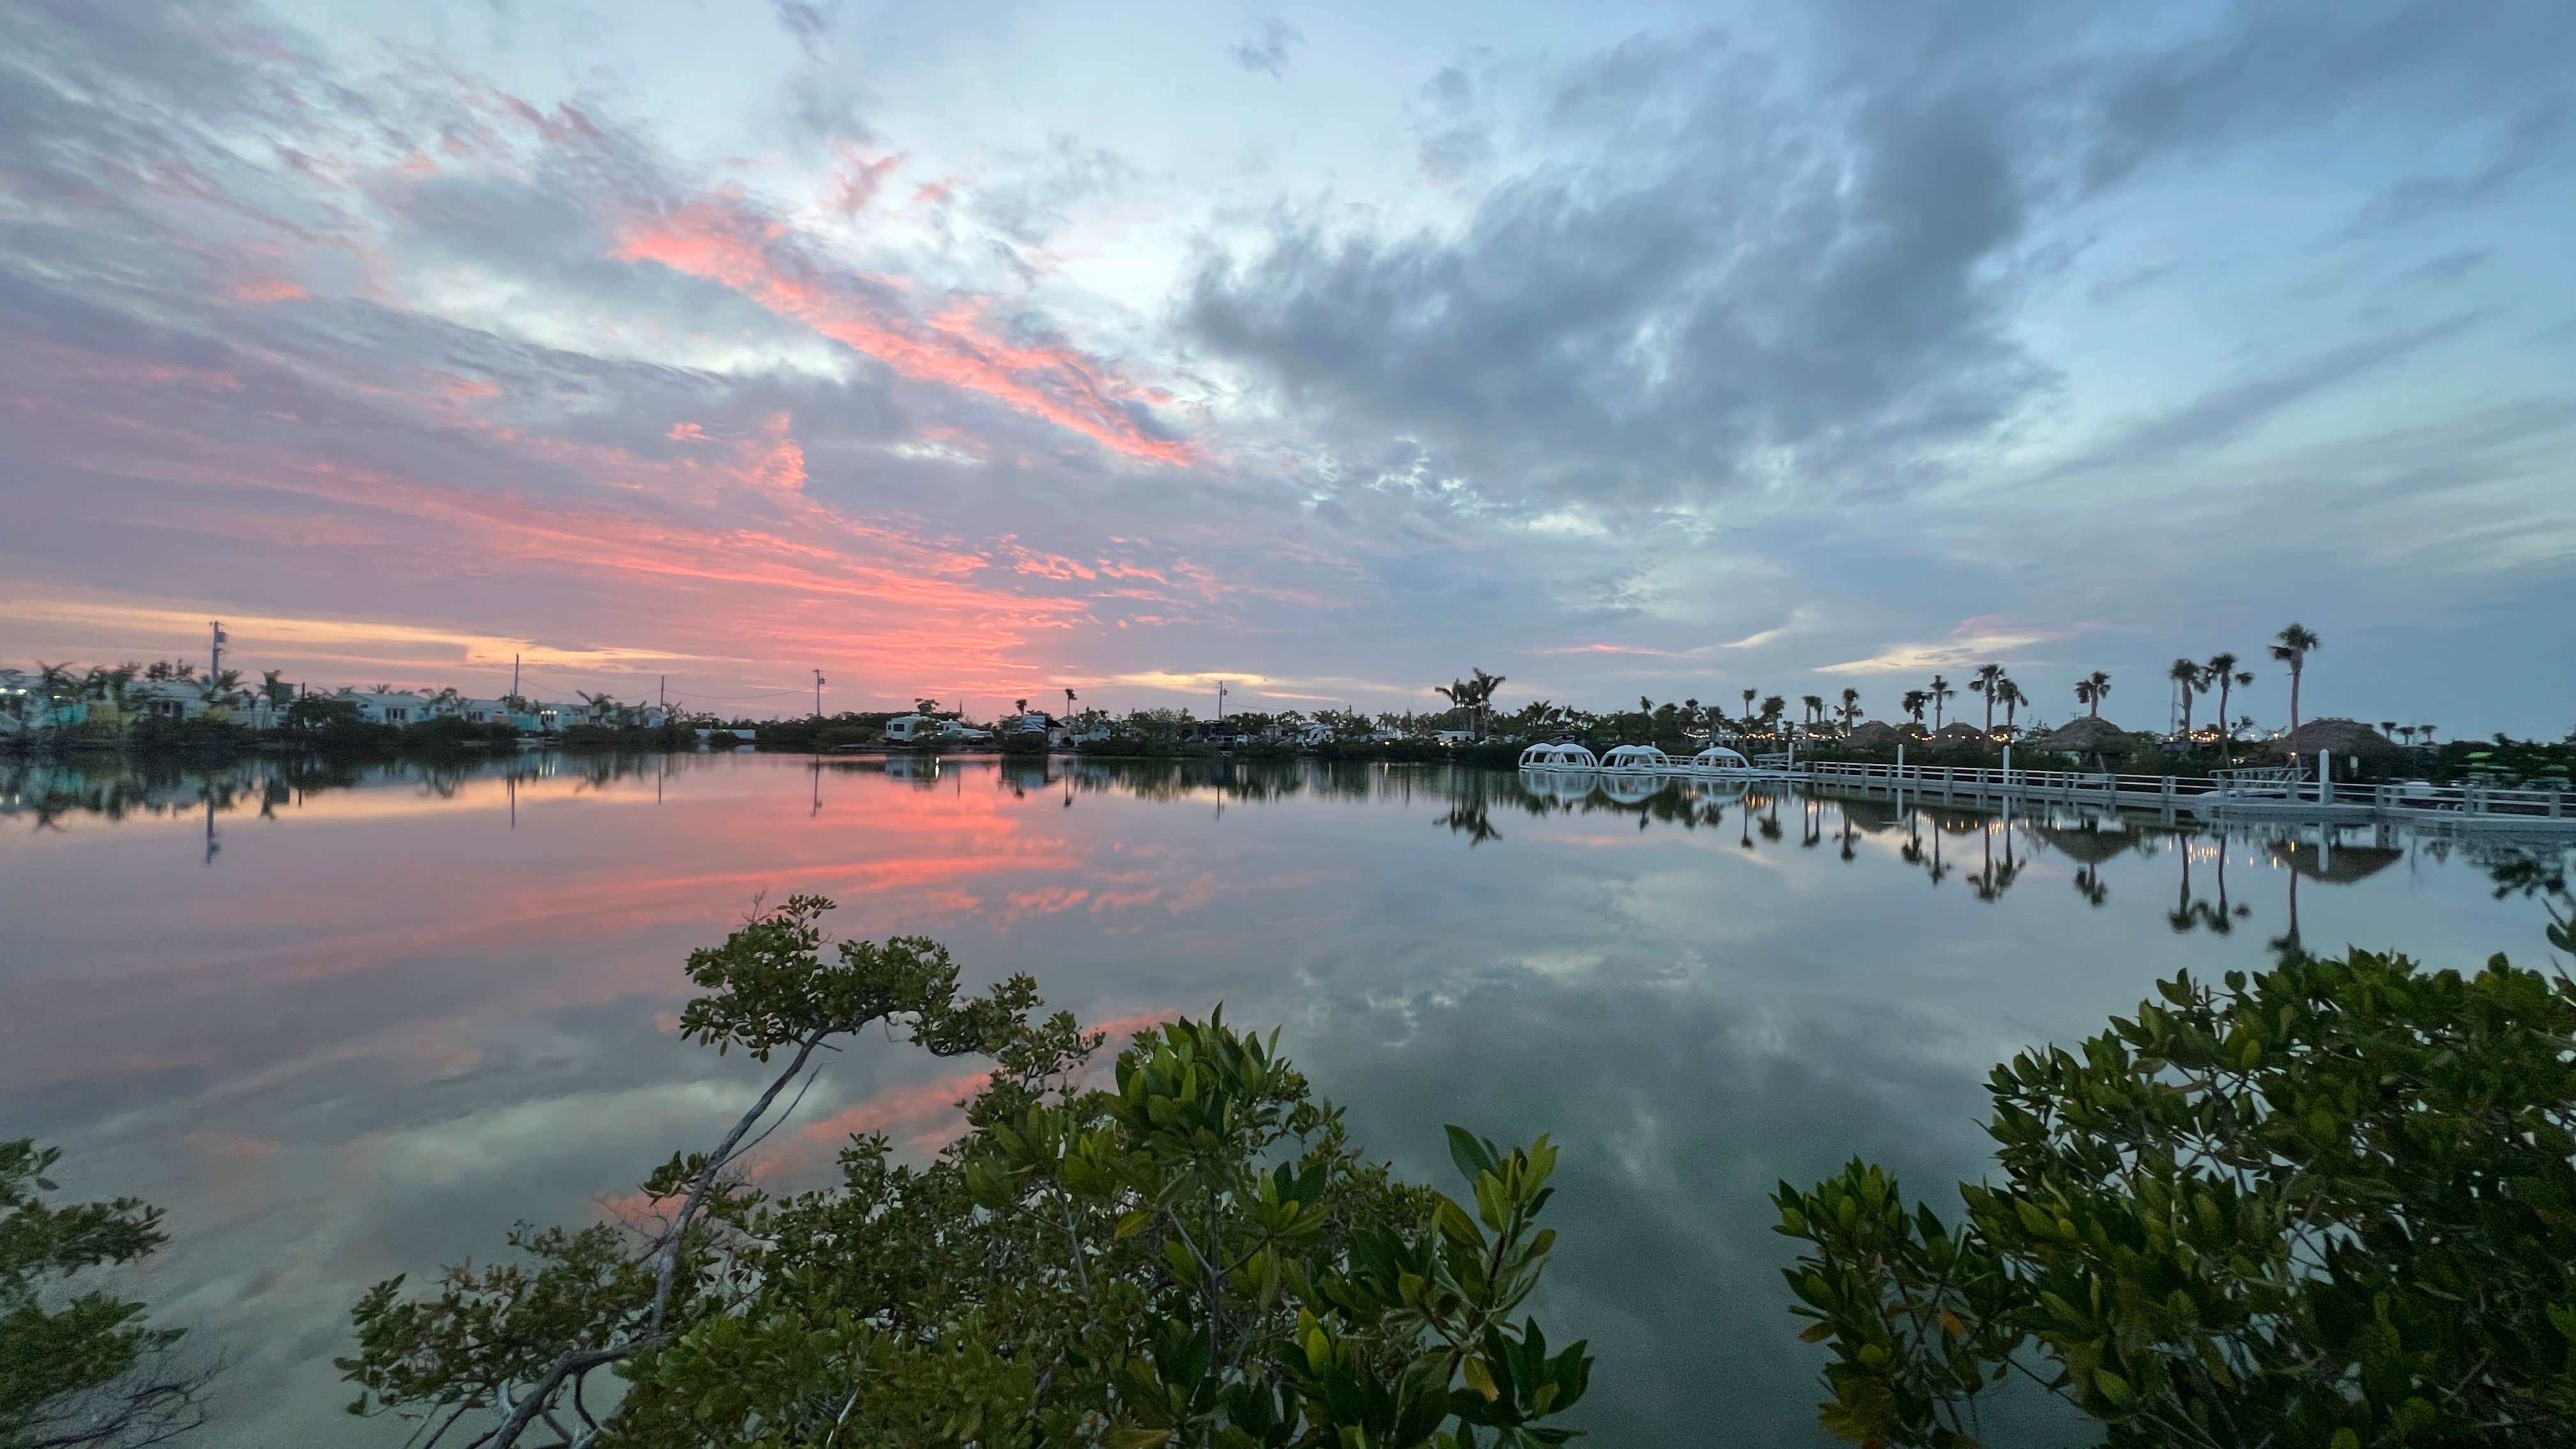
(1719, 760)
(1561, 755)
(1636, 759)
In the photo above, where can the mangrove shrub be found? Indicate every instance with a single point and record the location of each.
(2331, 1206)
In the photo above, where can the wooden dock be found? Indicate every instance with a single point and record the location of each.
(2278, 796)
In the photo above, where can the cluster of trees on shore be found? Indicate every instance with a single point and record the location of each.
(330, 723)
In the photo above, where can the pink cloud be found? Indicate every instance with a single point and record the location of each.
(922, 1103)
(266, 289)
(781, 463)
(721, 240)
(856, 182)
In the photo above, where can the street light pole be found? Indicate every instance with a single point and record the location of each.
(818, 696)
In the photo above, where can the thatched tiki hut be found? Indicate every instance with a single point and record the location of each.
(2350, 740)
(2335, 865)
(1875, 734)
(2087, 737)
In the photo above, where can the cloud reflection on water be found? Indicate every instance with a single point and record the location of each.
(397, 1007)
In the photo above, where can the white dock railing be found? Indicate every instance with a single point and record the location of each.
(2257, 789)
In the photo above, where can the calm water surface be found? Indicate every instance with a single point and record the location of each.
(350, 1026)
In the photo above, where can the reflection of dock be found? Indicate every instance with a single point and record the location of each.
(2249, 796)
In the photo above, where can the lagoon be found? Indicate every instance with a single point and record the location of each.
(353, 1022)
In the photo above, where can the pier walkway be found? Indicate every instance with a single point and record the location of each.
(2276, 795)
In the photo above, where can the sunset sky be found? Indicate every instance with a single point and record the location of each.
(979, 352)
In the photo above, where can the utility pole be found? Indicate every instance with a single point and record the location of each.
(215, 663)
(818, 696)
(514, 679)
(662, 694)
(1220, 701)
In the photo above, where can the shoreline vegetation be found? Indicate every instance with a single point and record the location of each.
(2499, 760)
(169, 710)
(2325, 1204)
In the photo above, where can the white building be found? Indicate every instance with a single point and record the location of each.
(178, 699)
(474, 711)
(398, 707)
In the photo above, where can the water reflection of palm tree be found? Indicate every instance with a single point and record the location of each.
(2183, 916)
(1991, 882)
(1469, 818)
(2288, 944)
(2090, 885)
(2222, 920)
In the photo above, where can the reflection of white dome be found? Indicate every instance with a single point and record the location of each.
(1633, 789)
(1636, 757)
(1558, 757)
(1564, 787)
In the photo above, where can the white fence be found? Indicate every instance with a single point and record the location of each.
(2269, 791)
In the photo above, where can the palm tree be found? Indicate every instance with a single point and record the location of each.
(2010, 693)
(1939, 691)
(2091, 690)
(2223, 669)
(2187, 678)
(57, 684)
(1984, 683)
(1483, 686)
(1068, 702)
(1455, 691)
(1773, 708)
(1851, 708)
(2388, 727)
(1815, 704)
(116, 686)
(2292, 648)
(1913, 703)
(1748, 707)
(2406, 733)
(1019, 706)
